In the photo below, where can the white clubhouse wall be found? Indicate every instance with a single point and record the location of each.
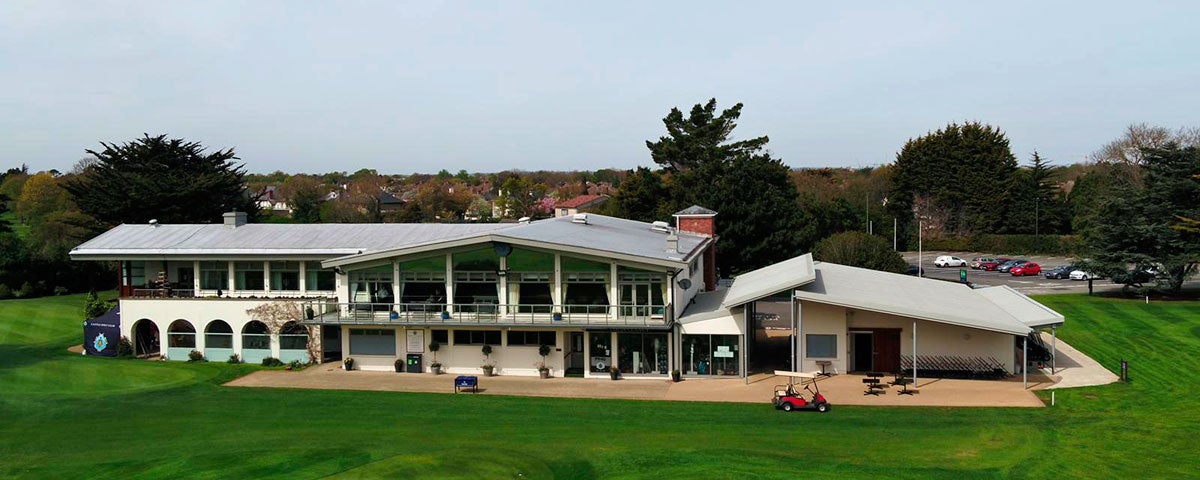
(199, 312)
(462, 359)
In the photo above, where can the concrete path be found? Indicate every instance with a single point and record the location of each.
(1075, 369)
(839, 390)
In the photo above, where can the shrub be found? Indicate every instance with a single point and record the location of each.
(857, 249)
(26, 290)
(5, 292)
(124, 347)
(61, 290)
(234, 359)
(295, 365)
(272, 362)
(196, 356)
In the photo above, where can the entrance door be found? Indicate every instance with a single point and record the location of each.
(887, 351)
(575, 354)
(862, 351)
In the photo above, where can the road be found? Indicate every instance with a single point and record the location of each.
(1031, 285)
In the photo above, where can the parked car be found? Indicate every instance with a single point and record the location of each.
(1082, 275)
(1006, 266)
(914, 270)
(1026, 269)
(1136, 277)
(1059, 272)
(993, 264)
(978, 262)
(949, 261)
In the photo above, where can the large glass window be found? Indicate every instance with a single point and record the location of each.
(821, 346)
(372, 341)
(218, 334)
(600, 349)
(532, 339)
(293, 336)
(249, 276)
(423, 284)
(137, 274)
(285, 276)
(642, 353)
(530, 281)
(256, 336)
(476, 291)
(642, 294)
(214, 275)
(711, 355)
(318, 279)
(477, 337)
(371, 288)
(181, 334)
(585, 286)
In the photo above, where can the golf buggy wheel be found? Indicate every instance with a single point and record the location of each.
(824, 407)
(787, 406)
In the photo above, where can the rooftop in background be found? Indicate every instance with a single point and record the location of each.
(580, 201)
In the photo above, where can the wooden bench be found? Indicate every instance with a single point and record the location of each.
(464, 382)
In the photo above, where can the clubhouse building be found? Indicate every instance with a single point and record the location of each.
(599, 291)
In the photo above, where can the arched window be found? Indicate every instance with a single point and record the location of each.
(256, 336)
(145, 337)
(181, 334)
(218, 334)
(293, 342)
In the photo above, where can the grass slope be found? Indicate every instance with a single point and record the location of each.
(21, 229)
(69, 416)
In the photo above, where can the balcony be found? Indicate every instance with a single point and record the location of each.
(541, 315)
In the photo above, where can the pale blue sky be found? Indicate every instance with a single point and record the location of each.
(320, 86)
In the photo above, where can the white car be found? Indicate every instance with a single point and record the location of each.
(949, 261)
(1082, 275)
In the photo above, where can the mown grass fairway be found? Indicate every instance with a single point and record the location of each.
(65, 415)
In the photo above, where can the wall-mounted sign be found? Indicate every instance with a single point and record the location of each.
(723, 352)
(416, 341)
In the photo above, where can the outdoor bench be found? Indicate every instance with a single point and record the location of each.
(464, 382)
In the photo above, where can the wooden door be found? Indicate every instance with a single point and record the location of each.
(887, 351)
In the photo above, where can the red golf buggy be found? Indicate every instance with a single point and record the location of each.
(788, 397)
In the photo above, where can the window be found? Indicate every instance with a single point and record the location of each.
(317, 279)
(214, 275)
(285, 276)
(365, 341)
(218, 335)
(137, 274)
(642, 353)
(441, 336)
(249, 276)
(477, 337)
(821, 346)
(532, 339)
(711, 355)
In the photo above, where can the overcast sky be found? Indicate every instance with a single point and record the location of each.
(322, 86)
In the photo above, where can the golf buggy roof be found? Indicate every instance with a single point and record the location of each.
(785, 373)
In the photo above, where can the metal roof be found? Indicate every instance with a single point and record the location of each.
(326, 239)
(907, 296)
(764, 282)
(1028, 310)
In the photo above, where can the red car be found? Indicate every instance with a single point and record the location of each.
(1026, 269)
(991, 265)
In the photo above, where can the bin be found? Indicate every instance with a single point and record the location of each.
(414, 363)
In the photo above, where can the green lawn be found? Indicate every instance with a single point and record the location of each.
(21, 229)
(71, 416)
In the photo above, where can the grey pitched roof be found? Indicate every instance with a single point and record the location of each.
(907, 296)
(326, 239)
(706, 306)
(1028, 310)
(695, 210)
(769, 280)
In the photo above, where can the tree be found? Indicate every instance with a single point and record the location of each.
(171, 180)
(858, 249)
(1136, 227)
(305, 196)
(1130, 147)
(519, 197)
(445, 201)
(11, 186)
(962, 169)
(41, 196)
(1035, 205)
(641, 197)
(758, 214)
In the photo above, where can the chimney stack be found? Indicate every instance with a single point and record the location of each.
(234, 219)
(701, 221)
(673, 242)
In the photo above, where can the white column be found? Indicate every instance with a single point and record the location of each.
(503, 289)
(795, 334)
(267, 276)
(1053, 348)
(450, 283)
(613, 291)
(1025, 361)
(232, 279)
(196, 276)
(914, 354)
(396, 286)
(613, 348)
(558, 300)
(303, 277)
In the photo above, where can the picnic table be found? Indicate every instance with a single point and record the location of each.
(874, 383)
(464, 382)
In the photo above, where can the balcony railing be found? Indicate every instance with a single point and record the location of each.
(333, 313)
(169, 292)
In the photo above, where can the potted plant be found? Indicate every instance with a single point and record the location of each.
(614, 372)
(309, 313)
(393, 315)
(348, 364)
(543, 370)
(676, 376)
(435, 367)
(445, 315)
(557, 316)
(488, 365)
(399, 364)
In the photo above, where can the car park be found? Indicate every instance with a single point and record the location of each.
(1059, 272)
(1026, 269)
(1006, 266)
(977, 262)
(914, 270)
(949, 261)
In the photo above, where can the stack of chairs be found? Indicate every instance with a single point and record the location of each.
(954, 366)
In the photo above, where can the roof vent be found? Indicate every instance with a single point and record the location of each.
(579, 218)
(660, 226)
(673, 243)
(523, 220)
(234, 219)
(153, 223)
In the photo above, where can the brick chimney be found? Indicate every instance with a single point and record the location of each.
(700, 220)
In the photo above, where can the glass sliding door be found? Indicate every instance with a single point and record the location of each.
(642, 294)
(642, 353)
(711, 355)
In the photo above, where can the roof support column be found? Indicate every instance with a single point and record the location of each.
(502, 288)
(232, 277)
(795, 334)
(613, 291)
(914, 353)
(450, 283)
(303, 278)
(1053, 348)
(1025, 361)
(196, 278)
(396, 286)
(557, 300)
(267, 276)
